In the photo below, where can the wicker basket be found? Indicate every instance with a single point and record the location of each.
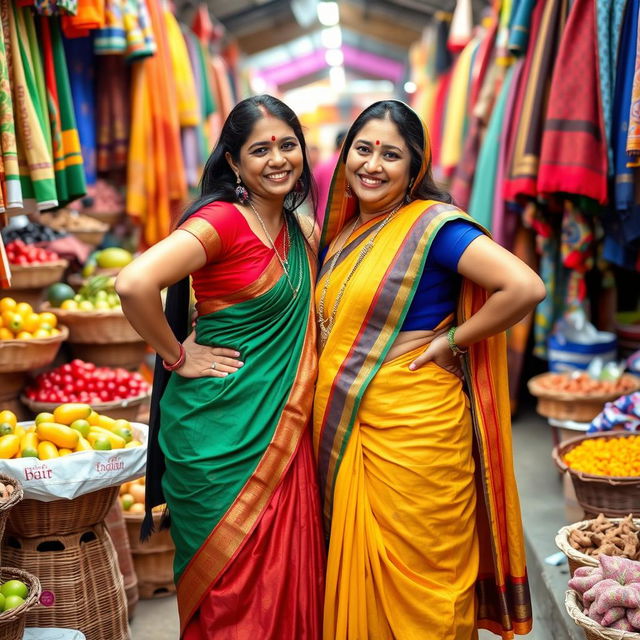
(95, 327)
(107, 217)
(12, 622)
(37, 276)
(93, 238)
(9, 503)
(82, 586)
(153, 559)
(34, 518)
(579, 407)
(577, 558)
(614, 497)
(593, 630)
(127, 409)
(120, 538)
(26, 355)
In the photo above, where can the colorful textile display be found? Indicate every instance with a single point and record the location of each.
(623, 413)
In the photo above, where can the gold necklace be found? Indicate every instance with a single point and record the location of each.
(326, 323)
(284, 262)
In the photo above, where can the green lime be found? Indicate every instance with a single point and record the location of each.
(11, 602)
(102, 444)
(125, 433)
(82, 426)
(59, 292)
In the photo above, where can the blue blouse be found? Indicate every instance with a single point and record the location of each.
(437, 293)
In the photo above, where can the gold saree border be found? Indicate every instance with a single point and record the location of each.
(227, 538)
(267, 279)
(206, 234)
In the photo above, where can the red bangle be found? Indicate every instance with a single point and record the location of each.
(179, 362)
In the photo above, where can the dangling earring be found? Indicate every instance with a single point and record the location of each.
(241, 191)
(407, 197)
(347, 191)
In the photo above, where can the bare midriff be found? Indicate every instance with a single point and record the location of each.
(410, 340)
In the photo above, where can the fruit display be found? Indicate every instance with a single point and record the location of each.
(70, 428)
(97, 294)
(132, 496)
(20, 253)
(603, 536)
(13, 593)
(80, 381)
(68, 220)
(613, 457)
(111, 259)
(610, 592)
(31, 233)
(582, 383)
(18, 321)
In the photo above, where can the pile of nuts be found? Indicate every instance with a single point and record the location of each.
(603, 537)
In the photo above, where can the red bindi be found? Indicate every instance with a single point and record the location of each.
(273, 138)
(378, 142)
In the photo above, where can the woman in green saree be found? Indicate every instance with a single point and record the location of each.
(229, 438)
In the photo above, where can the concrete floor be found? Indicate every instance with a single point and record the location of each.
(543, 514)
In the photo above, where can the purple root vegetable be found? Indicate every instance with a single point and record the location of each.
(616, 596)
(633, 616)
(613, 615)
(623, 570)
(594, 615)
(581, 572)
(623, 625)
(584, 583)
(590, 596)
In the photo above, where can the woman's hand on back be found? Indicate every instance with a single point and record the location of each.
(200, 360)
(439, 352)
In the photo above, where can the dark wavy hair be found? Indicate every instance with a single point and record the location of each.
(218, 180)
(411, 130)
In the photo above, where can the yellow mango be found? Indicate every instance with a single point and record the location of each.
(59, 434)
(83, 445)
(9, 445)
(64, 452)
(19, 431)
(29, 445)
(105, 422)
(71, 411)
(98, 432)
(47, 450)
(132, 444)
(93, 418)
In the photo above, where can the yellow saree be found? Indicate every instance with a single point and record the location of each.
(419, 495)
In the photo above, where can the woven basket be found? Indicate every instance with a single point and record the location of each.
(9, 503)
(82, 586)
(107, 217)
(37, 276)
(26, 355)
(34, 518)
(153, 559)
(577, 558)
(614, 497)
(92, 238)
(12, 622)
(95, 327)
(592, 630)
(127, 409)
(579, 407)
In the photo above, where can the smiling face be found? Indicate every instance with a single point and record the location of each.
(270, 161)
(377, 166)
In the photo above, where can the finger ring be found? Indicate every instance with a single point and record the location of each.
(213, 365)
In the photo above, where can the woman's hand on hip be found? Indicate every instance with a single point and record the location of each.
(439, 352)
(207, 362)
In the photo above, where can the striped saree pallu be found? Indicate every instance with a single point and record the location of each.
(349, 363)
(228, 444)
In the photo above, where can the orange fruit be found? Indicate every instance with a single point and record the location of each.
(5, 334)
(7, 304)
(24, 335)
(7, 316)
(24, 309)
(48, 318)
(15, 324)
(69, 305)
(31, 322)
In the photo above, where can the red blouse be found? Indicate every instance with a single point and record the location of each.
(236, 257)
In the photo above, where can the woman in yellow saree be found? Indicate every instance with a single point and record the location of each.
(415, 464)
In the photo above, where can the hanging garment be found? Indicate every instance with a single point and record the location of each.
(633, 135)
(67, 154)
(547, 26)
(573, 157)
(33, 133)
(11, 191)
(89, 15)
